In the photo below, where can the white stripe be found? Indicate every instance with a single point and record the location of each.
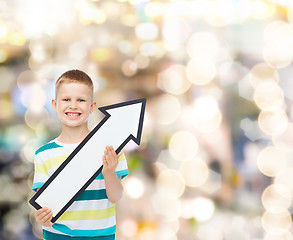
(52, 170)
(97, 185)
(121, 165)
(40, 177)
(90, 224)
(51, 229)
(90, 205)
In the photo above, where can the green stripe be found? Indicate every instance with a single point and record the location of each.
(37, 185)
(47, 146)
(121, 173)
(53, 236)
(92, 195)
(88, 214)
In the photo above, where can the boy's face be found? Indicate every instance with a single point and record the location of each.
(73, 104)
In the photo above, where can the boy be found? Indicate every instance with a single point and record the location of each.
(92, 215)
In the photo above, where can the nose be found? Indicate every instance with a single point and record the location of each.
(73, 105)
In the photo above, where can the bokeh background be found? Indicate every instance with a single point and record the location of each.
(215, 161)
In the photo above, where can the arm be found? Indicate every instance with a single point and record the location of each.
(114, 188)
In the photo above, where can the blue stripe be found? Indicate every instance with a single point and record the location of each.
(122, 173)
(47, 146)
(84, 233)
(37, 185)
(92, 195)
(53, 236)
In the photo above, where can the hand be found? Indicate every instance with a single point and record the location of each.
(110, 160)
(44, 216)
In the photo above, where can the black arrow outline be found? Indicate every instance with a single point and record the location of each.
(104, 109)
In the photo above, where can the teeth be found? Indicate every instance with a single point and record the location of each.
(73, 114)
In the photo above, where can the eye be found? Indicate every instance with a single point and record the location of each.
(65, 99)
(81, 100)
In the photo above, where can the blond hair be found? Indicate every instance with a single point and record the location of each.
(74, 75)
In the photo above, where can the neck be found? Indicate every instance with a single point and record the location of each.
(73, 135)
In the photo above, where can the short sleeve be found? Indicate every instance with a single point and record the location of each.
(122, 169)
(40, 174)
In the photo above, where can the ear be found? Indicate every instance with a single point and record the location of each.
(93, 106)
(54, 105)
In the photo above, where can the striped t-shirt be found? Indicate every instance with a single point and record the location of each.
(91, 214)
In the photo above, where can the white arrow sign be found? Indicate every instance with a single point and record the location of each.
(122, 122)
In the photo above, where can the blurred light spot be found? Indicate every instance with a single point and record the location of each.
(206, 106)
(171, 181)
(167, 109)
(278, 48)
(209, 232)
(183, 145)
(167, 232)
(203, 44)
(152, 49)
(127, 48)
(229, 72)
(195, 172)
(251, 129)
(271, 161)
(6, 109)
(3, 55)
(167, 205)
(34, 97)
(276, 235)
(174, 80)
(29, 149)
(262, 72)
(285, 140)
(146, 31)
(175, 32)
(134, 187)
(129, 227)
(101, 54)
(129, 20)
(276, 198)
(16, 136)
(129, 68)
(285, 177)
(213, 183)
(268, 96)
(33, 119)
(40, 50)
(276, 222)
(141, 61)
(207, 117)
(17, 39)
(26, 78)
(200, 71)
(261, 10)
(154, 9)
(7, 80)
(273, 123)
(202, 208)
(91, 14)
(77, 50)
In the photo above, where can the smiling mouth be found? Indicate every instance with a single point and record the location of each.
(73, 114)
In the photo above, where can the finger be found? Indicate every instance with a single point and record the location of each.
(45, 215)
(120, 154)
(105, 163)
(40, 214)
(40, 211)
(45, 220)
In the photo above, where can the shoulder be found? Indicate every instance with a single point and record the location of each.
(48, 146)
